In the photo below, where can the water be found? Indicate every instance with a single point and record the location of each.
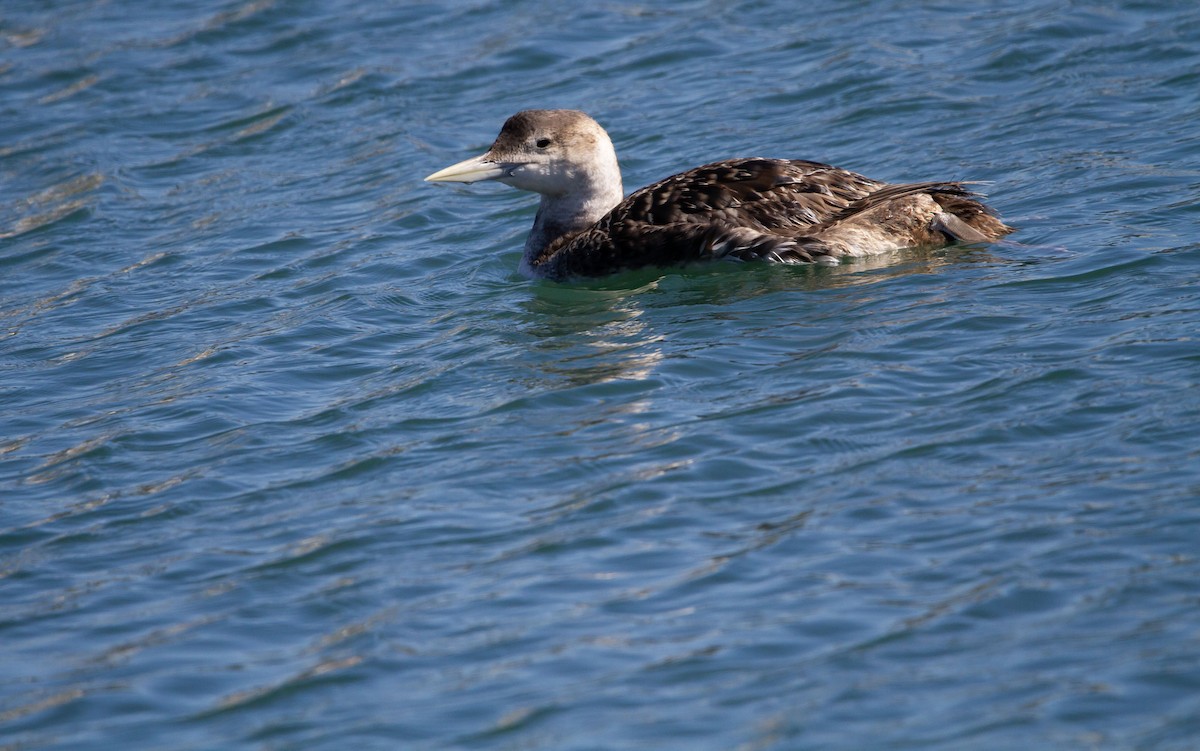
(291, 457)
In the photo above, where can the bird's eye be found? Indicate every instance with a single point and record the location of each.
(543, 143)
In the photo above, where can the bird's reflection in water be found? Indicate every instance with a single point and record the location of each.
(592, 334)
(598, 330)
(599, 362)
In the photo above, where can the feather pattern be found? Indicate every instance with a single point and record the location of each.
(773, 210)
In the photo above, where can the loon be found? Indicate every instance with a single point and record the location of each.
(774, 210)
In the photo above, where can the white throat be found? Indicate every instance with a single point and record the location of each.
(581, 193)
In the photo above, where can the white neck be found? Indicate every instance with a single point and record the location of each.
(594, 190)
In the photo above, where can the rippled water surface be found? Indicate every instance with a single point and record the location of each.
(292, 458)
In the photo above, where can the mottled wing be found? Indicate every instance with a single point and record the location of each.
(770, 195)
(598, 251)
(740, 209)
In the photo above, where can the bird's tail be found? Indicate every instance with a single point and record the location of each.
(965, 219)
(906, 215)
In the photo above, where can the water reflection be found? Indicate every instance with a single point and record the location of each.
(590, 335)
(598, 330)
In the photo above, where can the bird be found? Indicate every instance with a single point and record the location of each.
(789, 211)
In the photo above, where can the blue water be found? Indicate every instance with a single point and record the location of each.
(292, 458)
